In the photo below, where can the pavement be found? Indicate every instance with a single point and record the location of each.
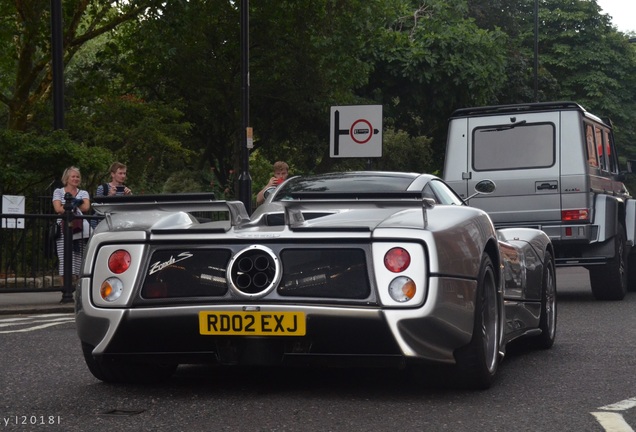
(34, 303)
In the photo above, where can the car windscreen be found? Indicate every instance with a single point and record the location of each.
(345, 183)
(509, 147)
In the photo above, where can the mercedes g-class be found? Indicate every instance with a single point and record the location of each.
(556, 168)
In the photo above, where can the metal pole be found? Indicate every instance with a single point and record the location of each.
(57, 56)
(67, 226)
(536, 50)
(245, 180)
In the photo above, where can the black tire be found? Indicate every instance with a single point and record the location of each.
(609, 282)
(126, 372)
(548, 319)
(478, 361)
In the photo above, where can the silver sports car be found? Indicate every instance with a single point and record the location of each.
(353, 268)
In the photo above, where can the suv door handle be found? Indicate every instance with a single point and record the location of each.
(547, 186)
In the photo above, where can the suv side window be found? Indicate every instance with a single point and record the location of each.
(601, 137)
(592, 157)
(612, 165)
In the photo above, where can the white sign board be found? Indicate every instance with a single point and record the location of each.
(13, 204)
(356, 131)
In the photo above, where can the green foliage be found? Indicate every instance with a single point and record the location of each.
(308, 56)
(432, 61)
(34, 161)
(158, 85)
(145, 136)
(26, 42)
(188, 58)
(186, 181)
(402, 152)
(590, 63)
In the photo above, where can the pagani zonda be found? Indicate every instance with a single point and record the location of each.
(349, 268)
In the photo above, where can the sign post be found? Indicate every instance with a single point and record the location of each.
(356, 131)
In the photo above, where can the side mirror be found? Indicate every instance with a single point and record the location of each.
(485, 187)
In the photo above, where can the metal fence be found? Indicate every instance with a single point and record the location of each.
(29, 259)
(28, 252)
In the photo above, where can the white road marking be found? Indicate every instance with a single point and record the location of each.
(612, 422)
(12, 321)
(17, 323)
(34, 322)
(621, 406)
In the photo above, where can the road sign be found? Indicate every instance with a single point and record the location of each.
(13, 204)
(356, 131)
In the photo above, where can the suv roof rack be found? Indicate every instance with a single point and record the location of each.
(535, 106)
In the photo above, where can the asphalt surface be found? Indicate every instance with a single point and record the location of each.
(34, 302)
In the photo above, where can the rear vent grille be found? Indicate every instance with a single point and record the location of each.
(325, 273)
(186, 273)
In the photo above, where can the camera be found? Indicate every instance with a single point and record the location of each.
(120, 189)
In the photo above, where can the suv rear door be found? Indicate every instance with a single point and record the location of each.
(520, 153)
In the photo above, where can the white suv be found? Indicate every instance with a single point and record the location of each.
(556, 169)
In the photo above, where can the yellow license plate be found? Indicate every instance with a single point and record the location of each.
(252, 323)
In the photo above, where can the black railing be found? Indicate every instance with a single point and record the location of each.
(29, 256)
(28, 250)
(28, 260)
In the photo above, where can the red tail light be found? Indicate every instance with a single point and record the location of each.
(575, 215)
(397, 260)
(119, 261)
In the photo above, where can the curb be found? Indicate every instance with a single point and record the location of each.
(34, 302)
(35, 309)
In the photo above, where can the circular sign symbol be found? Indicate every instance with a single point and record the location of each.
(361, 131)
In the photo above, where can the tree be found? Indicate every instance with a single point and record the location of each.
(592, 63)
(434, 59)
(581, 58)
(35, 161)
(161, 88)
(26, 65)
(187, 57)
(146, 136)
(306, 57)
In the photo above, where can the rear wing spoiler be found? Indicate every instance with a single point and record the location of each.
(307, 200)
(170, 202)
(293, 208)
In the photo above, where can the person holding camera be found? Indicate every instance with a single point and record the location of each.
(281, 171)
(80, 203)
(118, 173)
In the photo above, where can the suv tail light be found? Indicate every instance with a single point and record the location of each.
(575, 215)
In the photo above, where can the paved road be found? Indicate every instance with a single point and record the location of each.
(585, 382)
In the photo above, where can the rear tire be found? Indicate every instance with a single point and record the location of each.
(548, 319)
(125, 371)
(479, 360)
(609, 282)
